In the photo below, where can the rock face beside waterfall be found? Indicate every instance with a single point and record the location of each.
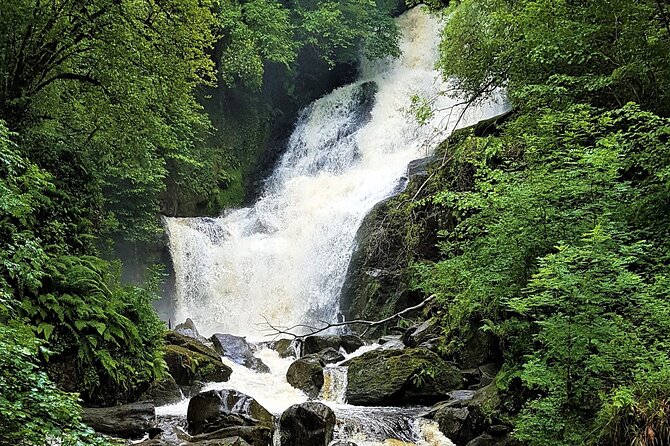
(237, 349)
(307, 424)
(397, 377)
(377, 283)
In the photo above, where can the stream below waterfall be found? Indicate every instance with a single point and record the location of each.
(285, 258)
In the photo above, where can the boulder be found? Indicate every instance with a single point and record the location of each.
(344, 443)
(188, 329)
(315, 344)
(219, 409)
(478, 348)
(237, 349)
(423, 335)
(165, 391)
(464, 420)
(307, 424)
(285, 348)
(173, 338)
(460, 425)
(125, 421)
(187, 367)
(493, 440)
(258, 435)
(392, 377)
(330, 356)
(306, 374)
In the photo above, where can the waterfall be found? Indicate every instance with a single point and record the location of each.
(285, 257)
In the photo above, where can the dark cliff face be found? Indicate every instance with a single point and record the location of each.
(403, 230)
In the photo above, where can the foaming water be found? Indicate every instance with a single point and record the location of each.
(270, 389)
(366, 426)
(286, 257)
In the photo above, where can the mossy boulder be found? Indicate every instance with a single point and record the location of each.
(190, 361)
(396, 377)
(306, 374)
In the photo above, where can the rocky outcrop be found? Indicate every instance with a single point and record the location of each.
(307, 424)
(237, 349)
(472, 418)
(126, 421)
(285, 348)
(315, 344)
(403, 230)
(187, 328)
(306, 374)
(330, 356)
(190, 361)
(397, 377)
(164, 391)
(228, 413)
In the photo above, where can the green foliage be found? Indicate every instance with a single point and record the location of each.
(553, 237)
(33, 412)
(607, 52)
(74, 303)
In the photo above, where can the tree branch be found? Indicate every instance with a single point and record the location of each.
(278, 330)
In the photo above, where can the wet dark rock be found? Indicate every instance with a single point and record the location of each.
(125, 421)
(315, 344)
(306, 374)
(479, 348)
(419, 168)
(391, 377)
(307, 424)
(343, 443)
(189, 367)
(488, 373)
(237, 349)
(465, 419)
(173, 338)
(188, 329)
(258, 435)
(214, 410)
(460, 425)
(493, 440)
(330, 356)
(165, 391)
(426, 333)
(285, 348)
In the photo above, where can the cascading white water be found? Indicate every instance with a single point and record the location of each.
(286, 257)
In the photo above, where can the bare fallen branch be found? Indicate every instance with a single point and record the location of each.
(279, 330)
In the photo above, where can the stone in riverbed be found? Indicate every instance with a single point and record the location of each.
(187, 328)
(397, 377)
(315, 343)
(285, 348)
(236, 348)
(306, 374)
(217, 409)
(165, 391)
(330, 356)
(307, 424)
(125, 421)
(188, 367)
